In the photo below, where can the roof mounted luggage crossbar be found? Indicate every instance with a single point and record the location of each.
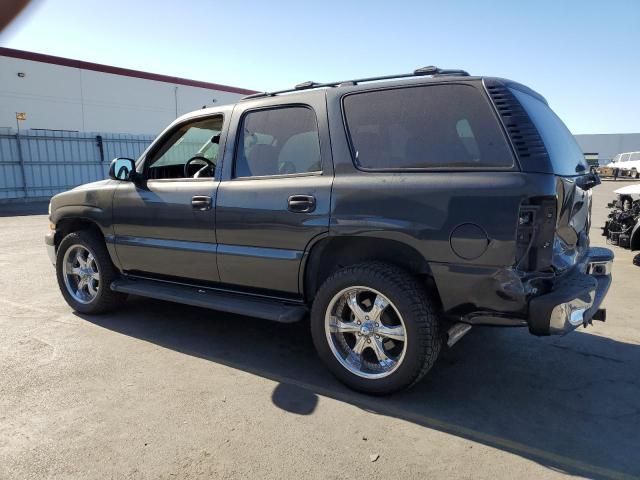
(420, 72)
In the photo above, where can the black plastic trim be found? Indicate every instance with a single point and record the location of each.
(525, 138)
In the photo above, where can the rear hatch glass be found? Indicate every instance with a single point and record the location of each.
(566, 156)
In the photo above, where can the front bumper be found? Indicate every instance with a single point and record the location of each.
(49, 241)
(575, 297)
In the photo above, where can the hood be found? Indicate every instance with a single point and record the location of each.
(92, 185)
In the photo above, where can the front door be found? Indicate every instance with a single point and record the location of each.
(164, 224)
(275, 195)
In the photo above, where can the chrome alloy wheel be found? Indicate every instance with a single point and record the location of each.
(81, 274)
(365, 332)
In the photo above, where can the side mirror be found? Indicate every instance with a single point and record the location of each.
(122, 169)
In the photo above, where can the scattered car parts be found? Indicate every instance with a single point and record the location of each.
(622, 228)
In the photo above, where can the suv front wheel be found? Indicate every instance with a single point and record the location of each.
(375, 328)
(85, 273)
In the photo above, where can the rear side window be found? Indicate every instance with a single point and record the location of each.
(635, 156)
(565, 153)
(425, 127)
(278, 141)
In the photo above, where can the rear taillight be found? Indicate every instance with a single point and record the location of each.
(535, 233)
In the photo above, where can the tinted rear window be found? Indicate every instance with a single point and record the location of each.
(565, 153)
(278, 141)
(433, 126)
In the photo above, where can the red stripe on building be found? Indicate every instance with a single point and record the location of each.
(97, 67)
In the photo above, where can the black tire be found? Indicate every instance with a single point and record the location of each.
(106, 299)
(412, 302)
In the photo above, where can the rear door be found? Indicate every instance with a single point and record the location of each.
(274, 198)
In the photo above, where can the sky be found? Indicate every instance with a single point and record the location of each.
(583, 56)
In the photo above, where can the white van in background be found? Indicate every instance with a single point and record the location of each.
(628, 164)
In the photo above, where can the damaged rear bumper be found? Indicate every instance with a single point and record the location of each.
(575, 297)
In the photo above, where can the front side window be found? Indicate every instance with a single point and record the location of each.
(425, 127)
(190, 152)
(625, 157)
(279, 141)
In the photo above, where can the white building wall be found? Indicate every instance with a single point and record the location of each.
(49, 94)
(193, 98)
(66, 98)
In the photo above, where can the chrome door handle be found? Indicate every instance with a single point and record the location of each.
(201, 202)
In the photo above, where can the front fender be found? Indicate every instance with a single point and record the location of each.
(92, 201)
(81, 212)
(87, 204)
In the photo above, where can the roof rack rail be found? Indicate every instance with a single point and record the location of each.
(420, 72)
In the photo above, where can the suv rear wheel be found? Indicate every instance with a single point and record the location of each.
(375, 328)
(85, 272)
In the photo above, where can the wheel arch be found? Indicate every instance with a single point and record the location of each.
(331, 253)
(67, 225)
(68, 220)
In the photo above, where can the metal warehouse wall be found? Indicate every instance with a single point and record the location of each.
(39, 164)
(608, 145)
(60, 97)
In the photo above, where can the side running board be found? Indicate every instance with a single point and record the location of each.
(277, 311)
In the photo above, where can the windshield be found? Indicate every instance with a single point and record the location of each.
(565, 153)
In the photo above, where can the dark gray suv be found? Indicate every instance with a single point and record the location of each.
(395, 211)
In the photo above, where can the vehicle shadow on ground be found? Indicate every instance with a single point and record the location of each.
(571, 404)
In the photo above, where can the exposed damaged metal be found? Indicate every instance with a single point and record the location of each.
(623, 225)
